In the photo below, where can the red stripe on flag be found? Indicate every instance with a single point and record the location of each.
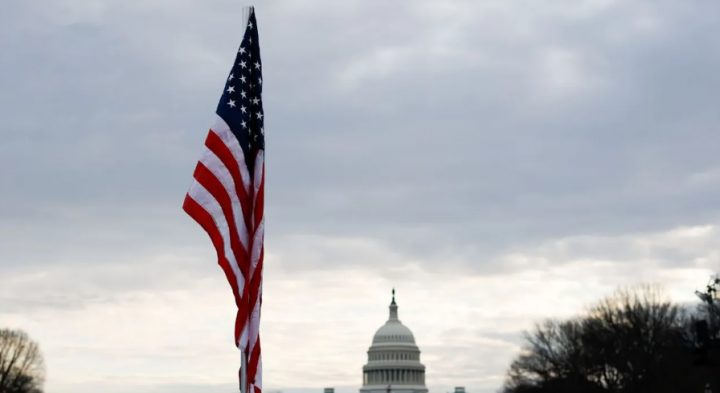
(256, 281)
(255, 301)
(260, 199)
(253, 361)
(218, 147)
(205, 220)
(210, 182)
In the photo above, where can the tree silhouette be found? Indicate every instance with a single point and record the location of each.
(21, 363)
(635, 340)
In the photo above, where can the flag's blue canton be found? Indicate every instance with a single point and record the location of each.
(241, 102)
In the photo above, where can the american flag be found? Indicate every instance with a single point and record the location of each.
(226, 196)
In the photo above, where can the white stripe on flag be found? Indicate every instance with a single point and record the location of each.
(203, 197)
(213, 163)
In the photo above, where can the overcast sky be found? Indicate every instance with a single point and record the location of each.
(497, 162)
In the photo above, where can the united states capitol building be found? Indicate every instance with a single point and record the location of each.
(393, 364)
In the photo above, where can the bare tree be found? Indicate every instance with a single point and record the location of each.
(632, 332)
(709, 309)
(22, 368)
(547, 354)
(628, 342)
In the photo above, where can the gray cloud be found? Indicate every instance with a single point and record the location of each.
(469, 149)
(444, 131)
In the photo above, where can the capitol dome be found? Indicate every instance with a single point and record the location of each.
(393, 359)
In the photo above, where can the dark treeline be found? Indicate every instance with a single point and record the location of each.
(633, 341)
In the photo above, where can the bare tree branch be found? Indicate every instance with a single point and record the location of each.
(21, 364)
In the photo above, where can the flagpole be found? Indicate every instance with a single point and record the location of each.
(246, 11)
(243, 373)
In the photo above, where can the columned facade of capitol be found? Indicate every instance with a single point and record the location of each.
(393, 364)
